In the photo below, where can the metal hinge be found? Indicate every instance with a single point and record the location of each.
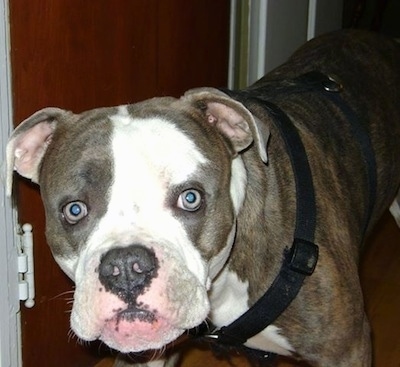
(25, 266)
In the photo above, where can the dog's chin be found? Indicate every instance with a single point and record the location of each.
(138, 331)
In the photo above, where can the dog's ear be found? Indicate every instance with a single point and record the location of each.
(231, 118)
(28, 144)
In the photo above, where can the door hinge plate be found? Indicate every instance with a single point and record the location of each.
(25, 266)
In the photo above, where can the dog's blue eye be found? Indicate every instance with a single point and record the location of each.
(190, 200)
(190, 197)
(75, 211)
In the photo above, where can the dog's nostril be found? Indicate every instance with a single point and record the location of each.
(108, 270)
(137, 268)
(127, 271)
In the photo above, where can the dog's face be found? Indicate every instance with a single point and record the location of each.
(141, 204)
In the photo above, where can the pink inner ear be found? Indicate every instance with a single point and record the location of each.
(230, 123)
(30, 147)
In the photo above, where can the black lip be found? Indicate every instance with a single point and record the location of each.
(134, 313)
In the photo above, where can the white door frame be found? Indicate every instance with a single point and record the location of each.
(10, 345)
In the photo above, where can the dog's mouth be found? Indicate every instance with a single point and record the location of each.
(135, 313)
(137, 328)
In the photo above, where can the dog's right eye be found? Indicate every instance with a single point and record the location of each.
(190, 200)
(74, 212)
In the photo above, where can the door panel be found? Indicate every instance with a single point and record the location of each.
(79, 55)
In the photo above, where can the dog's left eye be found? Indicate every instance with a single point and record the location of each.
(190, 200)
(75, 211)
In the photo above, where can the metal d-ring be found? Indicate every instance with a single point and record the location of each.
(331, 84)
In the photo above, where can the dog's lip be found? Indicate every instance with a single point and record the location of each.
(135, 313)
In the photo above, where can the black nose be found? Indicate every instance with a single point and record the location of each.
(127, 271)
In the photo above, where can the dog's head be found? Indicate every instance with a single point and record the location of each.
(141, 204)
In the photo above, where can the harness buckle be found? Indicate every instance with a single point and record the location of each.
(303, 256)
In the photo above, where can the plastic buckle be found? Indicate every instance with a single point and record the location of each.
(304, 256)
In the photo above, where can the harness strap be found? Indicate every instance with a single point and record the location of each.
(367, 151)
(299, 261)
(330, 89)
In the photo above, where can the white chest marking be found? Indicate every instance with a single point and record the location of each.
(229, 299)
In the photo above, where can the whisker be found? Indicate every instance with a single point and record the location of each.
(71, 335)
(62, 294)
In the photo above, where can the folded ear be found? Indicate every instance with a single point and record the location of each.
(28, 144)
(232, 119)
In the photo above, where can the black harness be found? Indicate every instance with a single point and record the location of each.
(300, 260)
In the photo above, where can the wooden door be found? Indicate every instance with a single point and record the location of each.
(83, 54)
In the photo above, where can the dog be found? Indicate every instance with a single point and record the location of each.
(171, 212)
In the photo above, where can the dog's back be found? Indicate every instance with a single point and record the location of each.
(367, 67)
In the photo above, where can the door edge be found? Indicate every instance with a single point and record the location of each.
(10, 339)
